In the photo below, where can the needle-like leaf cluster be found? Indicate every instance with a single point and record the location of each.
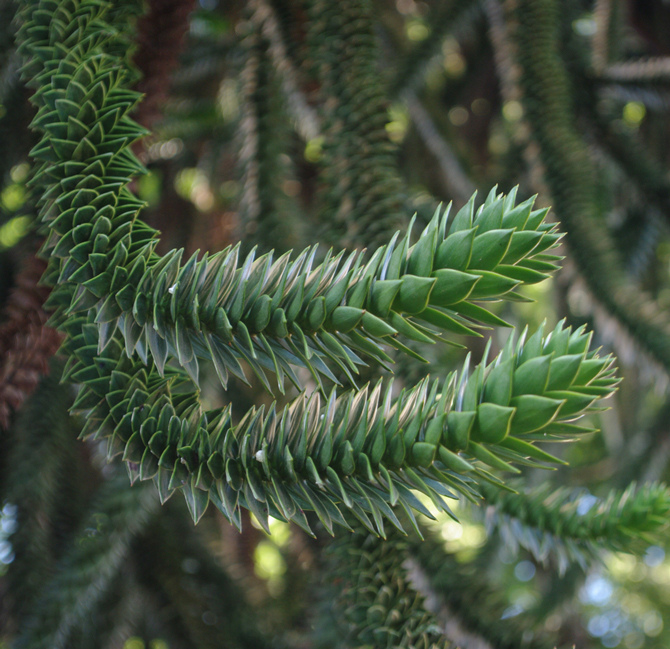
(375, 603)
(128, 311)
(573, 525)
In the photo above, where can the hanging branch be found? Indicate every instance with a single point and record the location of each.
(573, 526)
(284, 314)
(570, 176)
(348, 451)
(307, 121)
(509, 73)
(444, 18)
(361, 192)
(89, 568)
(267, 211)
(38, 472)
(272, 315)
(462, 592)
(371, 601)
(130, 300)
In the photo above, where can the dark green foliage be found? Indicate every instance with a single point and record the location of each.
(325, 450)
(269, 212)
(372, 602)
(173, 564)
(282, 314)
(88, 570)
(41, 464)
(444, 19)
(103, 261)
(102, 258)
(465, 591)
(147, 335)
(309, 457)
(572, 177)
(362, 196)
(573, 525)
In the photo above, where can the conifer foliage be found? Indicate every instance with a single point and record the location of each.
(259, 382)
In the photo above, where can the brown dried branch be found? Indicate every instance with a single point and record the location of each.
(160, 36)
(602, 14)
(26, 343)
(652, 69)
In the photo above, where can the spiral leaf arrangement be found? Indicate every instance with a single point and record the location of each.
(364, 451)
(375, 599)
(138, 325)
(362, 197)
(571, 524)
(286, 313)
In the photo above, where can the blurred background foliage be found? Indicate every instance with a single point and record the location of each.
(285, 122)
